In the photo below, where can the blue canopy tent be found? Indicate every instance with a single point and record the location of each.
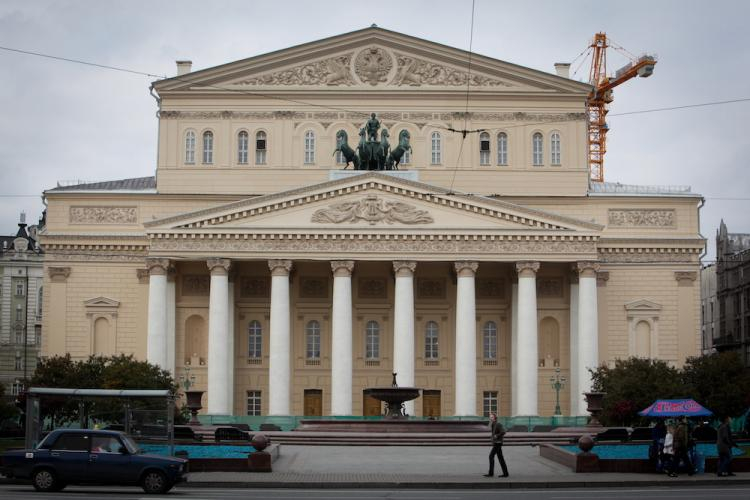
(675, 408)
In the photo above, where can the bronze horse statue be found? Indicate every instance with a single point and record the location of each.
(394, 158)
(349, 154)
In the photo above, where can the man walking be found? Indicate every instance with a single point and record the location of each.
(724, 445)
(498, 431)
(681, 440)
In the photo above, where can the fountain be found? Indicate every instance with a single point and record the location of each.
(394, 398)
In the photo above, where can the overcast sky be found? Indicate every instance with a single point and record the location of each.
(63, 121)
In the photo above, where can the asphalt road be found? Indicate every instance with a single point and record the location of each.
(8, 492)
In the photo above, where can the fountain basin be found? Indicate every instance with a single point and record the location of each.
(394, 398)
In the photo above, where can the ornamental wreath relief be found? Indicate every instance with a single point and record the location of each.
(372, 210)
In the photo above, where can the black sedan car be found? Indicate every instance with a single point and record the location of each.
(72, 456)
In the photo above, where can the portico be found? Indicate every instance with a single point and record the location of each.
(417, 270)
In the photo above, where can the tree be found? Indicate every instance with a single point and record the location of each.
(718, 381)
(632, 385)
(97, 372)
(7, 411)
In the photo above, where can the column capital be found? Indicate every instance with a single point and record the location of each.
(685, 278)
(601, 278)
(280, 267)
(142, 275)
(218, 266)
(342, 267)
(404, 267)
(466, 268)
(58, 274)
(587, 268)
(157, 266)
(527, 268)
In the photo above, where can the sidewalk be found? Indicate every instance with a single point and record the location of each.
(455, 467)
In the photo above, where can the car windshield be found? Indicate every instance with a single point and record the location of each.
(131, 445)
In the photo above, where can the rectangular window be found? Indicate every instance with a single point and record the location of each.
(19, 336)
(19, 289)
(19, 313)
(484, 150)
(19, 363)
(242, 148)
(260, 149)
(38, 335)
(253, 402)
(16, 389)
(489, 403)
(72, 442)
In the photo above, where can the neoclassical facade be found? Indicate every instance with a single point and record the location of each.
(287, 284)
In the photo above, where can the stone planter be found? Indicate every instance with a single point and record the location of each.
(194, 405)
(594, 402)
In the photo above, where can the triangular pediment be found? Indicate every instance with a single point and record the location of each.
(642, 305)
(372, 58)
(373, 202)
(104, 302)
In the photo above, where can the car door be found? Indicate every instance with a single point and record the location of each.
(69, 455)
(109, 461)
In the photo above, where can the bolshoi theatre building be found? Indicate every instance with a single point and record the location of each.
(293, 250)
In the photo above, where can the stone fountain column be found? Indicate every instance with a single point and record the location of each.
(403, 327)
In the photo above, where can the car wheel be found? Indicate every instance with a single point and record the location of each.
(45, 480)
(155, 482)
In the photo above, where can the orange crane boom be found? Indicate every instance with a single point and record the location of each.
(601, 95)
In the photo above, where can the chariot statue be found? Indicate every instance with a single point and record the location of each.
(372, 153)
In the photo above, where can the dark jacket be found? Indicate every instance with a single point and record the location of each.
(724, 441)
(498, 431)
(681, 436)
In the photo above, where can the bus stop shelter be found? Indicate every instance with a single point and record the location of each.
(35, 395)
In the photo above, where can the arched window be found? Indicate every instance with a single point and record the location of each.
(431, 340)
(190, 147)
(537, 151)
(406, 159)
(484, 148)
(103, 339)
(261, 147)
(19, 312)
(554, 148)
(489, 335)
(309, 147)
(436, 149)
(372, 340)
(549, 342)
(40, 302)
(502, 148)
(254, 340)
(242, 142)
(196, 338)
(312, 334)
(208, 147)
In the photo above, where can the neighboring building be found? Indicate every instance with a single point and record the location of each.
(733, 292)
(21, 293)
(288, 285)
(709, 309)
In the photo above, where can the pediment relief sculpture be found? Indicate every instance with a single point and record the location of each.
(372, 210)
(416, 72)
(332, 71)
(373, 65)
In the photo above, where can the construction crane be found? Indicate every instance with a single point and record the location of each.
(601, 95)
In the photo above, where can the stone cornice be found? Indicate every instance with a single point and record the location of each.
(369, 181)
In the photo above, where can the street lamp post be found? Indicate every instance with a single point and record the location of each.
(558, 383)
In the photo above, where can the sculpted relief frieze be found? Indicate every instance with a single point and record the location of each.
(417, 72)
(332, 71)
(373, 65)
(372, 210)
(641, 217)
(445, 246)
(103, 215)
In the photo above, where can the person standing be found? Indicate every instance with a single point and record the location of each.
(681, 442)
(724, 445)
(668, 452)
(498, 431)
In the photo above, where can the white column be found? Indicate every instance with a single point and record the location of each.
(341, 338)
(514, 348)
(403, 327)
(588, 327)
(279, 390)
(575, 393)
(466, 339)
(171, 314)
(230, 345)
(218, 337)
(156, 342)
(526, 383)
